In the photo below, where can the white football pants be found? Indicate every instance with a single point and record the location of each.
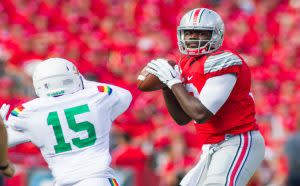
(229, 163)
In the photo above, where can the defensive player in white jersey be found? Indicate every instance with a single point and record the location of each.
(70, 123)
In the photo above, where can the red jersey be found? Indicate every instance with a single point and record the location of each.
(237, 115)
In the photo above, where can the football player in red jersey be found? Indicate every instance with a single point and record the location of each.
(212, 87)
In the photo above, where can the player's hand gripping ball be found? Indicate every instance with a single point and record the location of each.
(148, 82)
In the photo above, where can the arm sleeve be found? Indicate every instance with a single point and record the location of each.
(16, 126)
(216, 91)
(123, 102)
(16, 123)
(16, 137)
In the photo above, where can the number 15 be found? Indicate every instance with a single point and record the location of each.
(70, 113)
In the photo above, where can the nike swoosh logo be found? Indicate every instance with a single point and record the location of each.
(189, 78)
(172, 74)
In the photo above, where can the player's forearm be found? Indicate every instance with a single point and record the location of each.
(174, 108)
(3, 144)
(125, 99)
(191, 105)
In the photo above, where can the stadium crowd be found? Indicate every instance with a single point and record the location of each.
(111, 40)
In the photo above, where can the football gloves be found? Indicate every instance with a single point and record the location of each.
(3, 112)
(164, 71)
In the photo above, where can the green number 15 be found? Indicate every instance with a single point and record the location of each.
(62, 145)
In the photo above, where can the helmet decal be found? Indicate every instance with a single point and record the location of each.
(196, 16)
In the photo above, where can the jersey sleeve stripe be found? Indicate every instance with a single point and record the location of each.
(113, 182)
(217, 63)
(220, 56)
(105, 89)
(17, 111)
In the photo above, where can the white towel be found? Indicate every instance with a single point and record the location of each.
(197, 175)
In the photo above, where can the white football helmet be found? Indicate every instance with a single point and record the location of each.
(55, 77)
(201, 19)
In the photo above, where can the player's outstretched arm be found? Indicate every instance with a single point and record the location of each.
(123, 103)
(3, 143)
(6, 167)
(14, 137)
(174, 108)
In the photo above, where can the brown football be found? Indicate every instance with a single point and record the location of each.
(148, 82)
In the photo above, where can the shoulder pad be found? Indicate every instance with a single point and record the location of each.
(221, 61)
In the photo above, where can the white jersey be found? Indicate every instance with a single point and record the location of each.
(72, 131)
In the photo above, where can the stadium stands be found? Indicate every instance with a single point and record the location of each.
(110, 40)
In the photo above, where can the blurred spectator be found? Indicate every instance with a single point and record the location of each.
(292, 150)
(175, 160)
(111, 40)
(129, 156)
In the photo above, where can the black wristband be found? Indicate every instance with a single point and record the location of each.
(4, 167)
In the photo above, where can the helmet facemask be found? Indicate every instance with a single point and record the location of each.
(193, 43)
(201, 46)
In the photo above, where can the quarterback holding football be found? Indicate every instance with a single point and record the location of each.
(70, 123)
(212, 87)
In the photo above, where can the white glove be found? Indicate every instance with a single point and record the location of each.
(164, 71)
(3, 112)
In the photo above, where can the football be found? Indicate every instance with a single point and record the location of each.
(148, 82)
